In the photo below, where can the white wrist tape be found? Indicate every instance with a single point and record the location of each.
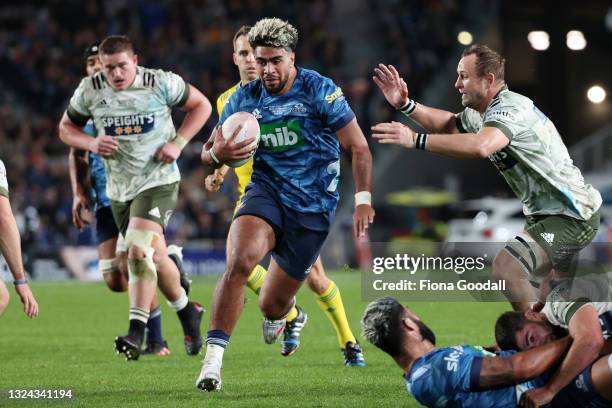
(363, 197)
(212, 156)
(409, 108)
(180, 141)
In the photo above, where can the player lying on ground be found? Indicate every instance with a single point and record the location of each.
(131, 110)
(562, 211)
(10, 248)
(466, 376)
(581, 306)
(327, 292)
(290, 202)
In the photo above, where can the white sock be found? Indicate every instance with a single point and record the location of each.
(214, 353)
(180, 303)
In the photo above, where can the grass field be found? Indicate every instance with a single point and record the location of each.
(70, 346)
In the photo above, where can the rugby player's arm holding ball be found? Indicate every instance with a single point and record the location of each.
(224, 150)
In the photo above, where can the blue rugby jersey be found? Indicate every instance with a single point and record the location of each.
(299, 154)
(449, 377)
(97, 174)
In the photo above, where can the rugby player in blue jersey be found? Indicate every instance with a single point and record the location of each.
(88, 182)
(467, 376)
(289, 205)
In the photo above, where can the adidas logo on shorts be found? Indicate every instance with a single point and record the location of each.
(155, 212)
(548, 237)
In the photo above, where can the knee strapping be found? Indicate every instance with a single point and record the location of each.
(141, 269)
(121, 246)
(107, 265)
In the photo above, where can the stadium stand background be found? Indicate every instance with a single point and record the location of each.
(41, 46)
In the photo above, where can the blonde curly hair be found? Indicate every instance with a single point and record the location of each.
(273, 32)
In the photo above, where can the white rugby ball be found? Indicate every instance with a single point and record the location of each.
(250, 129)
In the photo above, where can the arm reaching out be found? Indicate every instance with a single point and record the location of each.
(521, 366)
(395, 90)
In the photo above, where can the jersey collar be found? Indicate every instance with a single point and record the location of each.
(494, 99)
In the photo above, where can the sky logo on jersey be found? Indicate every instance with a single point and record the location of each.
(280, 137)
(128, 125)
(452, 360)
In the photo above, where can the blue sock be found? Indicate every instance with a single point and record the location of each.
(218, 337)
(154, 330)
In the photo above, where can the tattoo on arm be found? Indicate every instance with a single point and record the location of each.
(496, 371)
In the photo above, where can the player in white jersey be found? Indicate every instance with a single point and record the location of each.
(562, 211)
(131, 110)
(88, 182)
(583, 306)
(10, 248)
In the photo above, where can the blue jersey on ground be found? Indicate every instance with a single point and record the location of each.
(449, 377)
(298, 154)
(98, 174)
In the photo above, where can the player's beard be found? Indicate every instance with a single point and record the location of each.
(426, 332)
(277, 88)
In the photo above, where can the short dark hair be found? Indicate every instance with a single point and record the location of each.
(487, 61)
(506, 327)
(244, 30)
(115, 44)
(381, 323)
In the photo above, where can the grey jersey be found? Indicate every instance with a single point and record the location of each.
(3, 180)
(139, 117)
(536, 163)
(568, 296)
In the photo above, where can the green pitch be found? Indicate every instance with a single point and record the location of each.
(70, 346)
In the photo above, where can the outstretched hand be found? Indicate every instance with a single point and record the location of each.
(391, 84)
(394, 133)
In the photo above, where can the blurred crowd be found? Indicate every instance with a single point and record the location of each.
(41, 63)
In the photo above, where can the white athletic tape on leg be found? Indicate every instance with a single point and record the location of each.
(107, 265)
(141, 268)
(121, 247)
(180, 303)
